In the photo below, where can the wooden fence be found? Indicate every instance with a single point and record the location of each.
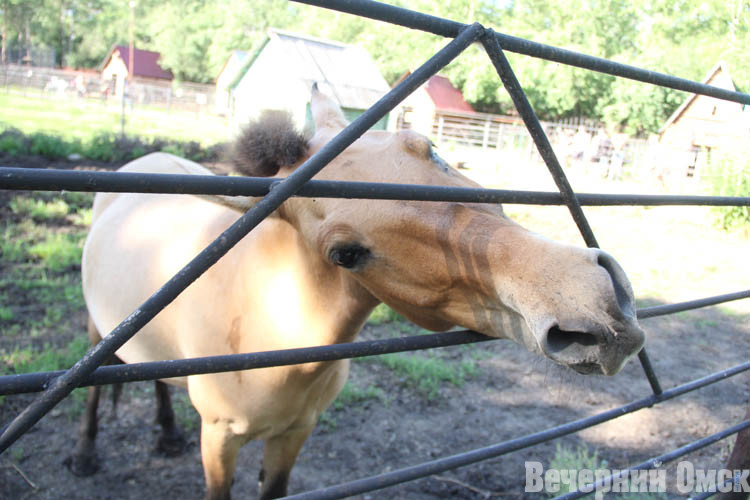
(67, 83)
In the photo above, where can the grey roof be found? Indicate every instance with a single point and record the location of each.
(345, 71)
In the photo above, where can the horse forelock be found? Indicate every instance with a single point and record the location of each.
(267, 144)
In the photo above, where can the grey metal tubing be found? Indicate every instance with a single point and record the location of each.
(34, 382)
(63, 385)
(521, 102)
(111, 374)
(130, 182)
(462, 459)
(650, 312)
(589, 489)
(447, 28)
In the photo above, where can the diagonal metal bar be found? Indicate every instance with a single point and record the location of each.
(447, 28)
(462, 459)
(130, 182)
(64, 384)
(521, 102)
(591, 488)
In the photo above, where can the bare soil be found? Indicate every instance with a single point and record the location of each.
(512, 394)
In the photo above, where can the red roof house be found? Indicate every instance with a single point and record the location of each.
(445, 96)
(420, 110)
(116, 67)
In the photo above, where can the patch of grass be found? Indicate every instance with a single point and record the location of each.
(566, 459)
(6, 313)
(352, 395)
(428, 373)
(39, 209)
(58, 251)
(384, 314)
(29, 359)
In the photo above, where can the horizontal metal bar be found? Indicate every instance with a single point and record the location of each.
(444, 27)
(589, 489)
(28, 179)
(16, 384)
(650, 312)
(63, 385)
(462, 459)
(34, 382)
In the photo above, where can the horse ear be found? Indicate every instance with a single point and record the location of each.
(326, 113)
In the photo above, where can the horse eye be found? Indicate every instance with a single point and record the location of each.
(349, 256)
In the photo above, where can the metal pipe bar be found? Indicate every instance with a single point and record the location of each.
(28, 179)
(521, 102)
(447, 28)
(64, 384)
(655, 462)
(459, 460)
(111, 374)
(34, 382)
(650, 312)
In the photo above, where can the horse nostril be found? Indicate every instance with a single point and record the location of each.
(559, 340)
(623, 293)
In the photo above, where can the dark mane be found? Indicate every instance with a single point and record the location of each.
(267, 144)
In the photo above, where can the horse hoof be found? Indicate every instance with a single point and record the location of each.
(171, 446)
(82, 466)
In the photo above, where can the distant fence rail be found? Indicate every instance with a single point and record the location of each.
(67, 83)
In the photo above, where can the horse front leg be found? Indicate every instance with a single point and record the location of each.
(219, 448)
(279, 454)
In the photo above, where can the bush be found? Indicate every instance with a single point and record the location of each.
(106, 147)
(51, 147)
(13, 142)
(729, 173)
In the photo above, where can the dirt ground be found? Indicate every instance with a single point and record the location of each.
(513, 393)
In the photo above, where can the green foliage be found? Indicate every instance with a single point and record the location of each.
(581, 458)
(352, 395)
(51, 147)
(729, 174)
(649, 34)
(39, 209)
(427, 373)
(58, 251)
(384, 314)
(48, 358)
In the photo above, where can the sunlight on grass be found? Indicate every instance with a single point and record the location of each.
(82, 119)
(58, 251)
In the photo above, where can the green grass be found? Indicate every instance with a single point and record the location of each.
(581, 458)
(39, 209)
(427, 372)
(384, 314)
(31, 359)
(83, 119)
(58, 251)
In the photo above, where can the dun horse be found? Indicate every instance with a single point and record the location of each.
(312, 273)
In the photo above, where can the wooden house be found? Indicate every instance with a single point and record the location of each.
(702, 124)
(116, 68)
(421, 111)
(280, 74)
(226, 76)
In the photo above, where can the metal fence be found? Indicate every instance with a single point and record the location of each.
(58, 385)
